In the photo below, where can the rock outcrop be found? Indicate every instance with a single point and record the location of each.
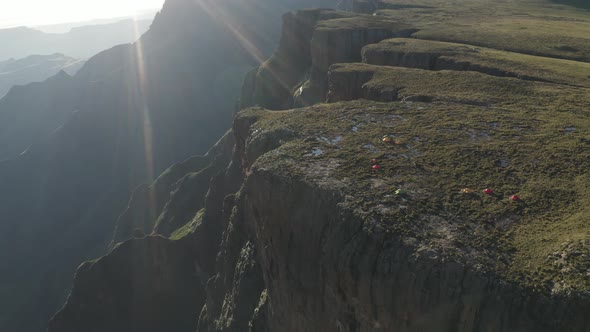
(154, 208)
(324, 270)
(273, 82)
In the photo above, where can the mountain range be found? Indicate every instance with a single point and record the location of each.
(34, 68)
(80, 42)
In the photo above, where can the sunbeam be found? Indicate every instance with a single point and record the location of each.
(221, 14)
(148, 137)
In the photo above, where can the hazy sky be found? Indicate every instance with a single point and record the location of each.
(44, 12)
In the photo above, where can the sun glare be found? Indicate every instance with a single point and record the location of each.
(43, 12)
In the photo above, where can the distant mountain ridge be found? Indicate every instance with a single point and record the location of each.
(35, 68)
(80, 42)
(67, 26)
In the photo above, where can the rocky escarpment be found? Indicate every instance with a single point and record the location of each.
(272, 83)
(326, 268)
(357, 259)
(155, 283)
(191, 247)
(154, 208)
(364, 215)
(433, 55)
(346, 262)
(236, 291)
(312, 41)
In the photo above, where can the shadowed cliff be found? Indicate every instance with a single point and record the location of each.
(76, 147)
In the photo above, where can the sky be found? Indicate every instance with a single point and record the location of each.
(45, 12)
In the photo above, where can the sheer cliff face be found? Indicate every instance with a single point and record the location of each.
(311, 42)
(310, 248)
(298, 231)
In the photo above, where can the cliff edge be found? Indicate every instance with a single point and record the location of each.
(427, 186)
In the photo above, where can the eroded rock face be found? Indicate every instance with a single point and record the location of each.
(155, 208)
(152, 283)
(312, 41)
(233, 291)
(296, 256)
(160, 300)
(274, 81)
(330, 46)
(329, 266)
(396, 54)
(348, 85)
(324, 271)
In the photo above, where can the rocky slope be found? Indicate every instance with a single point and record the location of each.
(299, 232)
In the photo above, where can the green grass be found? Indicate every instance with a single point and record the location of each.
(508, 63)
(359, 22)
(528, 26)
(467, 88)
(187, 228)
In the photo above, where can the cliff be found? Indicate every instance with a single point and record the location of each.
(301, 232)
(312, 41)
(73, 148)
